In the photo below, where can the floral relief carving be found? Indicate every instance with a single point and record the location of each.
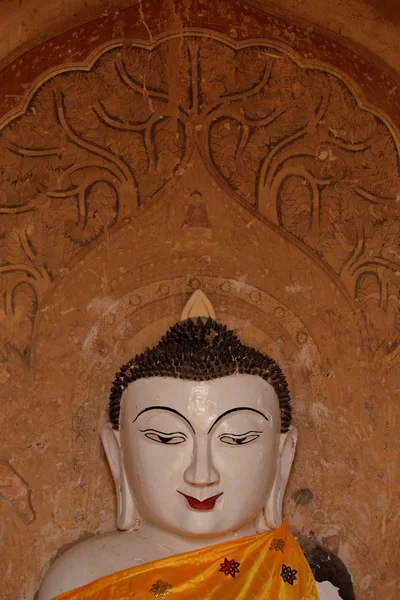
(289, 140)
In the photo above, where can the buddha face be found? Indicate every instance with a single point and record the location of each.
(200, 458)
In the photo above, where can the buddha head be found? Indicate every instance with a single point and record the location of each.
(199, 441)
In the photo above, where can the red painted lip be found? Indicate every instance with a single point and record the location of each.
(207, 504)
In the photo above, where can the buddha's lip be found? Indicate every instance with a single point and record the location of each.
(195, 504)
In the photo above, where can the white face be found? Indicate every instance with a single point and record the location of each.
(200, 457)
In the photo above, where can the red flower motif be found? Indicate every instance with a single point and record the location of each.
(229, 567)
(288, 574)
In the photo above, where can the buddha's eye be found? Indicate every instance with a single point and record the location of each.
(173, 439)
(239, 439)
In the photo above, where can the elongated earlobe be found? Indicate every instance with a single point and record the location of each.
(271, 516)
(127, 516)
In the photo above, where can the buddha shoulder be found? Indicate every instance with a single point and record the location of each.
(91, 559)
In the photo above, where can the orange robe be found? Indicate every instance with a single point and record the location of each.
(267, 566)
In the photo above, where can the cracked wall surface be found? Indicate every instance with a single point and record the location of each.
(371, 25)
(169, 147)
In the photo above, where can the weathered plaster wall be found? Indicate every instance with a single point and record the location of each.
(370, 25)
(265, 173)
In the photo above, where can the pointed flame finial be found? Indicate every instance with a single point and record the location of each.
(198, 305)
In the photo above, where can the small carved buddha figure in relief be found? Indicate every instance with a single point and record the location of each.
(200, 445)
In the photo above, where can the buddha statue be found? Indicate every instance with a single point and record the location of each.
(200, 445)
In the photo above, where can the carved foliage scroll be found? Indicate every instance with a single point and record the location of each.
(290, 140)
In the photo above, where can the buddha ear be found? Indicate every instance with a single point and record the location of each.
(127, 516)
(271, 516)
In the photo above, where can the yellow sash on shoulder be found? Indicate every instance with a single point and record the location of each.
(267, 566)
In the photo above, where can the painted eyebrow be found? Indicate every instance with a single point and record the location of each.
(167, 408)
(236, 410)
(163, 432)
(240, 434)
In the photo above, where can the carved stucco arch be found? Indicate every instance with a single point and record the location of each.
(90, 61)
(352, 229)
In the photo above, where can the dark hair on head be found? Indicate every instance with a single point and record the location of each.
(200, 350)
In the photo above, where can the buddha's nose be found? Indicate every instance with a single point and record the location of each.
(201, 471)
